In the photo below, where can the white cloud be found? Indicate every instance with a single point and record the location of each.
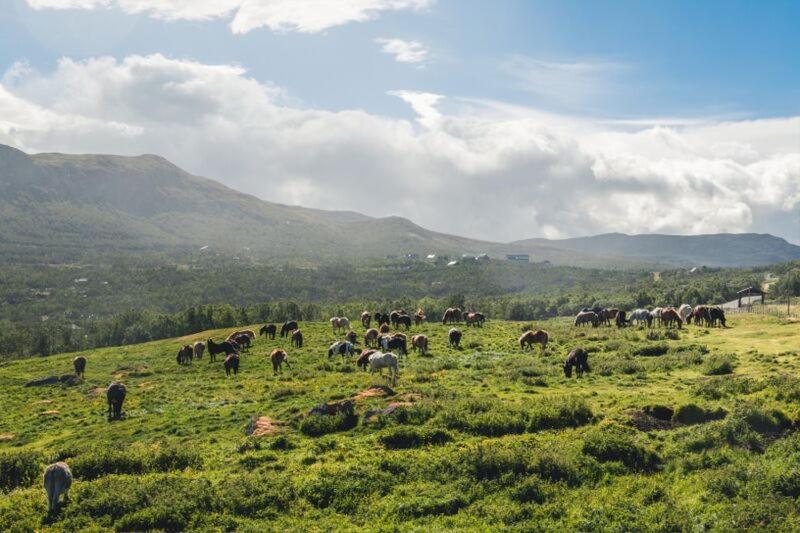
(403, 51)
(482, 169)
(305, 16)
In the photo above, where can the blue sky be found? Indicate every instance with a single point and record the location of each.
(599, 96)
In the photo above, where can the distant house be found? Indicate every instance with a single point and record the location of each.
(519, 257)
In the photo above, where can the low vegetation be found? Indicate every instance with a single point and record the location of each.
(692, 431)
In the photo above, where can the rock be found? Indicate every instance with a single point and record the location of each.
(331, 409)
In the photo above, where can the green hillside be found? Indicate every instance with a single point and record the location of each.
(686, 430)
(720, 250)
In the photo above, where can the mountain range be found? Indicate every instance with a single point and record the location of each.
(60, 207)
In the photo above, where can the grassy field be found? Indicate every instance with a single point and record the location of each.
(689, 430)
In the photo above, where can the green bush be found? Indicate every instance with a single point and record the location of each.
(486, 461)
(651, 350)
(719, 365)
(615, 444)
(531, 490)
(254, 495)
(345, 489)
(98, 461)
(317, 425)
(555, 413)
(694, 414)
(403, 438)
(19, 469)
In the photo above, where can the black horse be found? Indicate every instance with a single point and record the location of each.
(394, 343)
(269, 330)
(232, 364)
(382, 318)
(225, 347)
(288, 327)
(403, 320)
(115, 394)
(579, 359)
(717, 315)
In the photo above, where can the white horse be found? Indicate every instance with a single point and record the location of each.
(340, 323)
(656, 315)
(685, 311)
(641, 315)
(378, 361)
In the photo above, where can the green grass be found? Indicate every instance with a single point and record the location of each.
(484, 437)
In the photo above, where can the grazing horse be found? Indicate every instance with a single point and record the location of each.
(363, 359)
(587, 317)
(240, 334)
(351, 337)
(403, 320)
(199, 348)
(394, 315)
(226, 348)
(57, 481)
(115, 395)
(340, 324)
(378, 361)
(384, 328)
(232, 364)
(371, 337)
(452, 315)
(185, 355)
(278, 357)
(297, 338)
(656, 316)
(579, 359)
(342, 348)
(288, 327)
(717, 315)
(366, 319)
(420, 343)
(80, 365)
(620, 319)
(670, 317)
(381, 318)
(454, 338)
(529, 338)
(419, 317)
(607, 315)
(269, 330)
(474, 319)
(394, 342)
(641, 315)
(685, 312)
(242, 339)
(702, 316)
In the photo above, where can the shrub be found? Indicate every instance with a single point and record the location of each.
(430, 504)
(651, 350)
(486, 461)
(346, 489)
(614, 444)
(662, 412)
(19, 469)
(693, 414)
(254, 495)
(531, 490)
(403, 438)
(99, 461)
(558, 468)
(316, 425)
(719, 365)
(555, 413)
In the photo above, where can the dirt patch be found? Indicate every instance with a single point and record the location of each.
(374, 392)
(5, 437)
(395, 405)
(409, 397)
(138, 371)
(43, 401)
(262, 425)
(96, 391)
(51, 412)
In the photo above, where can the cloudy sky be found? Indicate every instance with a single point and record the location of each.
(499, 120)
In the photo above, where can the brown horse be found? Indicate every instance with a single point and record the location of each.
(269, 330)
(420, 343)
(115, 395)
(297, 338)
(351, 337)
(366, 319)
(587, 317)
(384, 328)
(80, 365)
(474, 319)
(232, 364)
(419, 317)
(371, 337)
(454, 338)
(451, 315)
(363, 359)
(670, 317)
(607, 315)
(199, 349)
(579, 359)
(185, 355)
(278, 357)
(529, 338)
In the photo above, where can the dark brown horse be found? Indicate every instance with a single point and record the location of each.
(366, 319)
(185, 355)
(225, 347)
(454, 338)
(579, 359)
(288, 327)
(297, 338)
(670, 317)
(115, 395)
(371, 337)
(232, 364)
(80, 365)
(420, 343)
(474, 319)
(269, 330)
(363, 359)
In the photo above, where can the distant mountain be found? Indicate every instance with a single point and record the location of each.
(59, 208)
(719, 250)
(76, 207)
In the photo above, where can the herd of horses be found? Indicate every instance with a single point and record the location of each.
(701, 315)
(379, 353)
